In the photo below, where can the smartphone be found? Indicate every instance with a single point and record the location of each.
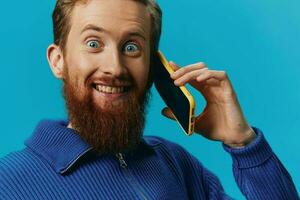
(178, 99)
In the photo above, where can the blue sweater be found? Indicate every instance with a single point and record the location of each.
(58, 164)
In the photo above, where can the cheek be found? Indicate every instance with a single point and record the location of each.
(140, 73)
(79, 67)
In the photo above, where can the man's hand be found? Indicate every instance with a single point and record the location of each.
(222, 118)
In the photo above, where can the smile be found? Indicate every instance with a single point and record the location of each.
(111, 89)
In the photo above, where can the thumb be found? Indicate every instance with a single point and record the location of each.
(167, 112)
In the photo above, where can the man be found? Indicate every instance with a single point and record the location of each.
(102, 51)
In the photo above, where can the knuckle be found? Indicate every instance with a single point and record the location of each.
(224, 73)
(202, 64)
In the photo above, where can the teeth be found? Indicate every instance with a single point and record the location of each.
(109, 89)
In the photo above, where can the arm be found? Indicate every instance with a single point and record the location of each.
(259, 173)
(257, 170)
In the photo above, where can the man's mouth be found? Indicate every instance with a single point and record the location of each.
(111, 89)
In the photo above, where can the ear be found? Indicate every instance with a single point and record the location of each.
(56, 60)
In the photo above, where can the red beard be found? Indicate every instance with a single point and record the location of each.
(113, 131)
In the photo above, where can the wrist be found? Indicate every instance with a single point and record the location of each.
(244, 139)
(252, 155)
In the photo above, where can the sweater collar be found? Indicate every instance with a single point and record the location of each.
(62, 147)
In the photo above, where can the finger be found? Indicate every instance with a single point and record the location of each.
(219, 75)
(174, 66)
(188, 68)
(189, 76)
(168, 113)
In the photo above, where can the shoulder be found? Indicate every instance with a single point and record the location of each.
(19, 172)
(13, 158)
(16, 163)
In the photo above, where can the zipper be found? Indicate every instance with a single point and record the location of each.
(130, 177)
(122, 162)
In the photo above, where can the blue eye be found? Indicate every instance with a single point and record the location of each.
(93, 44)
(131, 48)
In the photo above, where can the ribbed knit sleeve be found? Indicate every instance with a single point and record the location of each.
(259, 173)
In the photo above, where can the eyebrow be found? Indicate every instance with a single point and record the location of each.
(93, 28)
(102, 30)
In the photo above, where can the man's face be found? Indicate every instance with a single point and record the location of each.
(106, 67)
(108, 50)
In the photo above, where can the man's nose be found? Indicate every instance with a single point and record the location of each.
(114, 64)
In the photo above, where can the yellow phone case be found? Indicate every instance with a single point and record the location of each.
(186, 93)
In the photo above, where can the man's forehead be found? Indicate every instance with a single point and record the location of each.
(115, 14)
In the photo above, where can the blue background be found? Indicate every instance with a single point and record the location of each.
(256, 42)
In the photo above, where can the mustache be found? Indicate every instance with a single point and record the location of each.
(109, 80)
